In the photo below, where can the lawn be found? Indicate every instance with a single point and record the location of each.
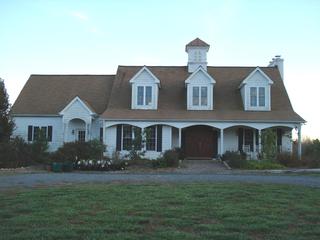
(161, 211)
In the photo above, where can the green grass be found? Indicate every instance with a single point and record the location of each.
(161, 211)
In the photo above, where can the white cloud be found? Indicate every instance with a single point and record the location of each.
(79, 15)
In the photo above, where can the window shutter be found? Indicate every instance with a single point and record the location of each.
(30, 130)
(257, 137)
(159, 138)
(49, 133)
(119, 137)
(101, 134)
(240, 139)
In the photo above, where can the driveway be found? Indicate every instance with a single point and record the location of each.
(38, 179)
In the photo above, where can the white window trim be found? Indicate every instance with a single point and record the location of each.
(200, 96)
(209, 105)
(144, 105)
(258, 107)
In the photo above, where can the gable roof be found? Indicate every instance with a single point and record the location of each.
(200, 69)
(172, 97)
(50, 94)
(252, 73)
(85, 104)
(144, 68)
(197, 43)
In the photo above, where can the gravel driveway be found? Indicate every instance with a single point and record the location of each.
(38, 179)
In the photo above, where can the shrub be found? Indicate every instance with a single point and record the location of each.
(15, 153)
(269, 140)
(170, 158)
(311, 153)
(75, 151)
(101, 165)
(235, 159)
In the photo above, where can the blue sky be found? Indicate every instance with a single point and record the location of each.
(94, 37)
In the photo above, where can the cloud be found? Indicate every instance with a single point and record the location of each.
(79, 15)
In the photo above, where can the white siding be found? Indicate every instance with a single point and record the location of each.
(22, 124)
(231, 139)
(286, 141)
(77, 110)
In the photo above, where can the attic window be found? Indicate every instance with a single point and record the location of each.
(144, 96)
(257, 96)
(200, 96)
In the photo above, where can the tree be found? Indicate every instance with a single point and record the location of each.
(6, 122)
(269, 142)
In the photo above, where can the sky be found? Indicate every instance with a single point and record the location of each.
(94, 37)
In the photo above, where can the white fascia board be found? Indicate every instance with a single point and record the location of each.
(200, 68)
(257, 69)
(144, 68)
(81, 102)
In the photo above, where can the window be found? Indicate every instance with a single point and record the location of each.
(81, 135)
(144, 95)
(151, 138)
(127, 137)
(200, 97)
(37, 132)
(257, 96)
(253, 96)
(101, 134)
(262, 97)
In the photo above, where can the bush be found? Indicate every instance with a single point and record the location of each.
(101, 165)
(235, 159)
(170, 158)
(15, 153)
(311, 153)
(75, 151)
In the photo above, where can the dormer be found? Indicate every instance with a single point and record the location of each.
(144, 90)
(197, 54)
(256, 91)
(200, 90)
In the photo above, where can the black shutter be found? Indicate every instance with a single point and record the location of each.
(137, 134)
(257, 137)
(36, 133)
(30, 133)
(119, 137)
(101, 134)
(279, 136)
(159, 138)
(240, 139)
(49, 133)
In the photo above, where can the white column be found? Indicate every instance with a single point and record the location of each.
(259, 140)
(86, 135)
(66, 131)
(104, 137)
(221, 142)
(179, 137)
(299, 142)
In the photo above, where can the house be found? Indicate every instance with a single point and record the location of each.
(205, 110)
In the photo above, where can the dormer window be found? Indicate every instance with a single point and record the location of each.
(200, 96)
(144, 89)
(144, 96)
(255, 91)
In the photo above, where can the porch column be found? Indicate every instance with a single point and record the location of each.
(104, 133)
(66, 130)
(179, 137)
(259, 140)
(221, 142)
(299, 142)
(86, 136)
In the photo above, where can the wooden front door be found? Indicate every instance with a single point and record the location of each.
(200, 142)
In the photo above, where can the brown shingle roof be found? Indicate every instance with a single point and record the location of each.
(172, 96)
(49, 94)
(197, 43)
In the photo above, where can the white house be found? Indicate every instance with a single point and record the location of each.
(205, 110)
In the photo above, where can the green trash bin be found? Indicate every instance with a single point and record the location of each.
(57, 167)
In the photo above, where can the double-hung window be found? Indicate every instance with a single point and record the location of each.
(257, 96)
(144, 95)
(151, 138)
(199, 96)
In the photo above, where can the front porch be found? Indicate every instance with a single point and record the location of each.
(200, 140)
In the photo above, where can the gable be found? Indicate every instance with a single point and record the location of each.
(200, 76)
(257, 77)
(145, 76)
(77, 107)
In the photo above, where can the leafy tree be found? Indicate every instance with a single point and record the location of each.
(6, 122)
(269, 142)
